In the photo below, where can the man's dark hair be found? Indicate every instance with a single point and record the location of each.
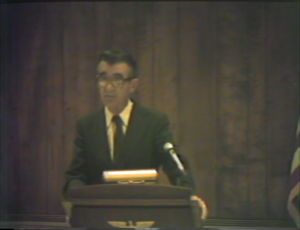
(119, 56)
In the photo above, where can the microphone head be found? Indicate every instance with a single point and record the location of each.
(168, 146)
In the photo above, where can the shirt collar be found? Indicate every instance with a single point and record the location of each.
(125, 114)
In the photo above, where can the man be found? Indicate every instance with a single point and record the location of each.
(124, 135)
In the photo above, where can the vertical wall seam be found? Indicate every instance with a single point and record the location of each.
(179, 77)
(111, 25)
(48, 158)
(214, 96)
(153, 54)
(18, 156)
(62, 48)
(216, 35)
(266, 101)
(137, 56)
(95, 26)
(247, 68)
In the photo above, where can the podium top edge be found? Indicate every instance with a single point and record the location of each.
(130, 191)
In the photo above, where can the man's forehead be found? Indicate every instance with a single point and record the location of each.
(117, 67)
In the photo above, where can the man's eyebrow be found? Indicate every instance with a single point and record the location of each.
(118, 75)
(103, 73)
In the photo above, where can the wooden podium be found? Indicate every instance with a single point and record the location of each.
(133, 206)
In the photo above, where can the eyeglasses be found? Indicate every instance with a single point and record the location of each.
(116, 81)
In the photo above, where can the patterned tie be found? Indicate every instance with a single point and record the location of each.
(118, 135)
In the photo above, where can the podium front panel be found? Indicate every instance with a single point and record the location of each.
(132, 206)
(135, 217)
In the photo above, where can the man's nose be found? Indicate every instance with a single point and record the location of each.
(109, 86)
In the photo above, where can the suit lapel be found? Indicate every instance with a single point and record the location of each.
(100, 140)
(136, 127)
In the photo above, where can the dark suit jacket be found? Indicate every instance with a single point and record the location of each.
(147, 132)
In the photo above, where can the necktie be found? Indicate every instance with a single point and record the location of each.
(118, 135)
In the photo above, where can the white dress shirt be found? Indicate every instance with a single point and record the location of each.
(125, 116)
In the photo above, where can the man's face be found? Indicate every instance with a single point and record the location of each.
(114, 85)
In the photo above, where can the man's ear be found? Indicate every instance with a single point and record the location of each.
(134, 85)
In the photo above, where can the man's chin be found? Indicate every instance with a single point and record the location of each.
(110, 103)
(109, 100)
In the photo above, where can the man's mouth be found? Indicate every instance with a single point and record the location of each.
(109, 96)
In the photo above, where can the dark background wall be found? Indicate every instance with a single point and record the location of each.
(227, 74)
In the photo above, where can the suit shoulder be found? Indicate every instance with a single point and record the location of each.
(89, 117)
(154, 113)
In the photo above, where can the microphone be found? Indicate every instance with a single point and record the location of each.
(170, 149)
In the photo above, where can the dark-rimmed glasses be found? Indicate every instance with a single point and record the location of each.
(115, 81)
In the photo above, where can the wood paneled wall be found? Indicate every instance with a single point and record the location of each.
(227, 74)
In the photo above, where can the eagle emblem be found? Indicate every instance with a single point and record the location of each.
(129, 224)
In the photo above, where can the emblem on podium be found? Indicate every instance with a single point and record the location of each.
(130, 224)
